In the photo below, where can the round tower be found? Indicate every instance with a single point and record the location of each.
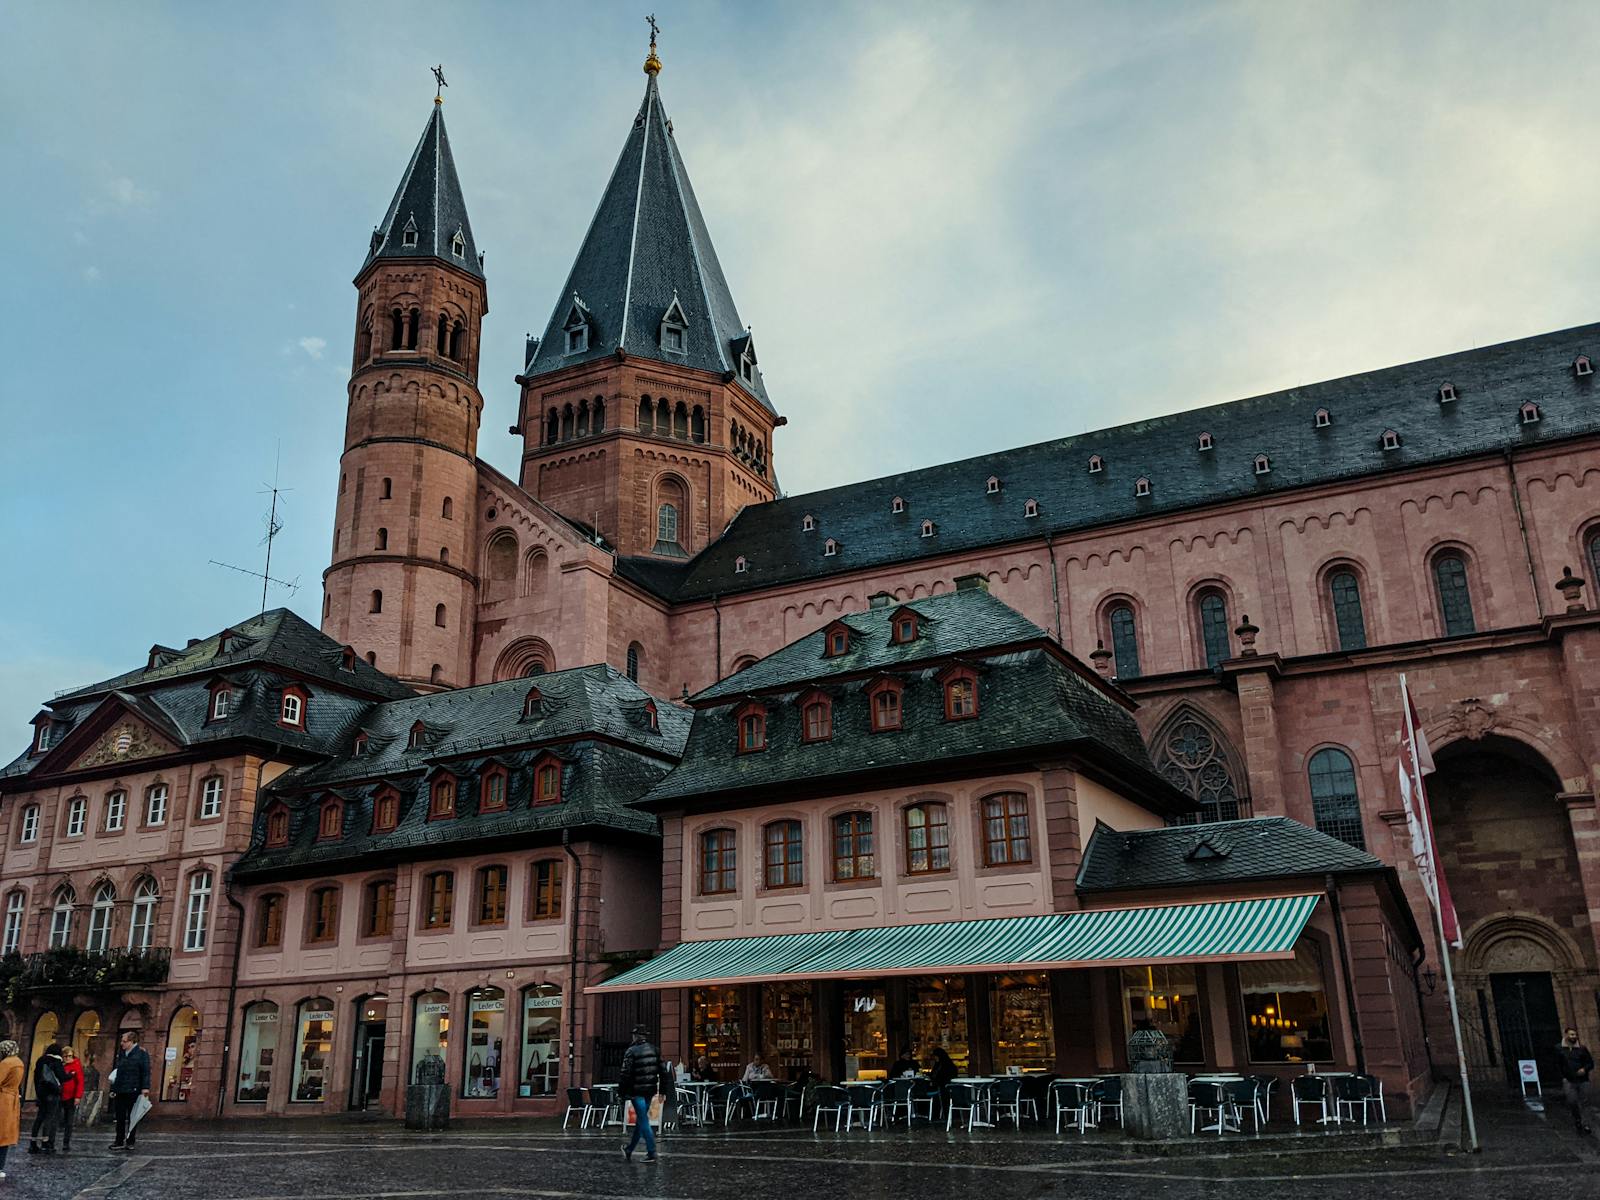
(400, 587)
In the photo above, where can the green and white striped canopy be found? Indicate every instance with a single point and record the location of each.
(1217, 931)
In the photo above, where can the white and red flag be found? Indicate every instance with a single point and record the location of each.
(1416, 761)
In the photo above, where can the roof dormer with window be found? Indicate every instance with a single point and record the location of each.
(905, 626)
(991, 486)
(1322, 419)
(1030, 507)
(277, 824)
(1391, 440)
(1205, 441)
(292, 707)
(674, 330)
(547, 778)
(219, 702)
(750, 726)
(836, 640)
(1582, 366)
(43, 733)
(1447, 393)
(576, 327)
(1141, 488)
(1096, 464)
(417, 737)
(885, 704)
(929, 528)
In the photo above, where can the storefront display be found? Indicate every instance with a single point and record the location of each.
(541, 1041)
(1021, 1022)
(183, 1042)
(313, 1051)
(44, 1032)
(430, 1030)
(1286, 1008)
(716, 1028)
(1168, 999)
(486, 1031)
(786, 1023)
(938, 1013)
(258, 1047)
(866, 1034)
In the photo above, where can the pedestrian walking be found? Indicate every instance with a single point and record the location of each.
(48, 1076)
(637, 1084)
(12, 1073)
(71, 1093)
(130, 1079)
(1577, 1064)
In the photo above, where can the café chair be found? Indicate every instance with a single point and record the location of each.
(924, 1096)
(1106, 1095)
(829, 1099)
(960, 1097)
(1072, 1103)
(1207, 1098)
(897, 1096)
(1309, 1090)
(577, 1102)
(1375, 1096)
(1351, 1092)
(1243, 1095)
(865, 1099)
(767, 1098)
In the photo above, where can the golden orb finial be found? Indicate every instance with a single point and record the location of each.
(652, 64)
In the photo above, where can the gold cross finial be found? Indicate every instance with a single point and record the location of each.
(439, 83)
(652, 65)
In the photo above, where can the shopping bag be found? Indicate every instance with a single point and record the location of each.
(140, 1107)
(657, 1105)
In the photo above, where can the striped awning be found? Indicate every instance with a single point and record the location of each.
(1217, 931)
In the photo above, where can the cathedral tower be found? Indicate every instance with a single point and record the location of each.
(643, 408)
(400, 588)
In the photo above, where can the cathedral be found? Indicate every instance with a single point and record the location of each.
(574, 739)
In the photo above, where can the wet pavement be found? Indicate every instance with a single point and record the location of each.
(1525, 1154)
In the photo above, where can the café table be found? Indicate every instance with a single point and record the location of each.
(700, 1089)
(608, 1091)
(982, 1084)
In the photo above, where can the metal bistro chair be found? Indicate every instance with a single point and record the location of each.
(1351, 1092)
(689, 1107)
(577, 1102)
(1005, 1100)
(1071, 1101)
(1207, 1097)
(1106, 1095)
(603, 1100)
(1266, 1085)
(1312, 1090)
(961, 1097)
(1375, 1096)
(897, 1096)
(1034, 1098)
(829, 1099)
(726, 1098)
(1244, 1095)
(767, 1100)
(924, 1096)
(864, 1098)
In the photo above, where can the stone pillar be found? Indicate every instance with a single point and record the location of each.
(1155, 1107)
(1258, 716)
(1063, 835)
(1585, 822)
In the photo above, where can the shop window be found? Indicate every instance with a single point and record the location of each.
(782, 847)
(1007, 837)
(493, 797)
(385, 810)
(1165, 998)
(269, 920)
(278, 825)
(142, 920)
(442, 799)
(116, 810)
(490, 907)
(377, 908)
(884, 698)
(1124, 640)
(486, 1034)
(1455, 595)
(322, 915)
(960, 696)
(330, 823)
(1286, 1008)
(101, 914)
(430, 1033)
(183, 1047)
(718, 862)
(258, 1050)
(927, 837)
(1335, 805)
(866, 1033)
(1021, 1023)
(547, 781)
(1211, 609)
(786, 1028)
(1349, 623)
(545, 889)
(853, 846)
(817, 719)
(45, 1030)
(438, 898)
(752, 730)
(197, 914)
(937, 1008)
(211, 798)
(313, 1051)
(716, 1028)
(540, 1072)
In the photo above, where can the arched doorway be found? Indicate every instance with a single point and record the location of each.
(45, 1030)
(366, 1074)
(183, 1049)
(94, 1049)
(1505, 844)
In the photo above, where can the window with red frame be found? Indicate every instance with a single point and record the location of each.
(718, 862)
(817, 720)
(442, 803)
(1006, 834)
(438, 896)
(752, 731)
(494, 790)
(322, 915)
(331, 823)
(783, 852)
(905, 629)
(293, 709)
(385, 811)
(278, 826)
(269, 920)
(852, 846)
(960, 697)
(927, 837)
(886, 708)
(491, 908)
(377, 915)
(838, 642)
(547, 782)
(546, 890)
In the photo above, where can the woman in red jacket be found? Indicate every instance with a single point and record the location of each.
(71, 1093)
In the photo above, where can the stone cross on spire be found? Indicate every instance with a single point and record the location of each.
(652, 64)
(439, 83)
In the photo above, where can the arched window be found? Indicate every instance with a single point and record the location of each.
(258, 1048)
(680, 422)
(781, 842)
(500, 557)
(1334, 803)
(413, 321)
(438, 898)
(388, 489)
(278, 826)
(667, 524)
(446, 510)
(1594, 559)
(960, 695)
(383, 539)
(927, 837)
(719, 862)
(1344, 593)
(100, 916)
(1007, 830)
(1191, 757)
(633, 662)
(852, 846)
(541, 1040)
(1455, 596)
(444, 336)
(330, 824)
(198, 912)
(61, 918)
(458, 338)
(396, 329)
(364, 343)
(885, 700)
(752, 729)
(142, 922)
(816, 719)
(438, 615)
(647, 415)
(377, 601)
(597, 415)
(443, 798)
(568, 422)
(1211, 610)
(552, 428)
(1124, 640)
(697, 424)
(582, 429)
(436, 674)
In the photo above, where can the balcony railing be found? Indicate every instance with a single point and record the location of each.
(68, 968)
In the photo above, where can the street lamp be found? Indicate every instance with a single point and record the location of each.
(1430, 979)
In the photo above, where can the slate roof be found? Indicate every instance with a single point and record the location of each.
(429, 199)
(1491, 384)
(646, 245)
(1219, 852)
(469, 731)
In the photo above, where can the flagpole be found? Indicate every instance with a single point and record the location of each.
(1438, 925)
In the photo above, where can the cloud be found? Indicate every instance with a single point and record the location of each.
(91, 274)
(127, 194)
(314, 346)
(80, 238)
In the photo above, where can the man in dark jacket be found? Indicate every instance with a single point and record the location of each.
(131, 1080)
(638, 1081)
(48, 1076)
(1576, 1066)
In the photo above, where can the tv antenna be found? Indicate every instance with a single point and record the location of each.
(274, 527)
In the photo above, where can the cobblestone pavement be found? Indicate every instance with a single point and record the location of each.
(1525, 1155)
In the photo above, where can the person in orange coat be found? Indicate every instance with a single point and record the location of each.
(71, 1093)
(11, 1074)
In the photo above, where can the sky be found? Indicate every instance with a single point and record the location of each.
(954, 228)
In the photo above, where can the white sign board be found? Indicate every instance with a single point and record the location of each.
(1528, 1075)
(172, 1054)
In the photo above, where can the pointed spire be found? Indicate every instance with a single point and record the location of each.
(647, 254)
(428, 216)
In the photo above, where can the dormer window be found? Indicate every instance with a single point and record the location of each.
(408, 235)
(830, 548)
(547, 780)
(347, 659)
(960, 694)
(903, 627)
(752, 724)
(1530, 413)
(674, 329)
(576, 327)
(577, 340)
(884, 699)
(1263, 465)
(927, 529)
(837, 640)
(418, 737)
(992, 486)
(808, 523)
(1582, 366)
(42, 736)
(1141, 487)
(1322, 420)
(1030, 508)
(739, 565)
(458, 245)
(360, 746)
(492, 796)
(227, 641)
(532, 704)
(652, 716)
(385, 810)
(1096, 464)
(897, 505)
(292, 710)
(1447, 393)
(1205, 441)
(221, 702)
(442, 798)
(278, 826)
(816, 717)
(330, 824)
(1391, 440)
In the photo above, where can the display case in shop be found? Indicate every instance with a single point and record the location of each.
(716, 1028)
(938, 1013)
(786, 1028)
(1024, 1031)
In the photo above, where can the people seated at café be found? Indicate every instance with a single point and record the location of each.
(756, 1070)
(906, 1064)
(941, 1068)
(703, 1071)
